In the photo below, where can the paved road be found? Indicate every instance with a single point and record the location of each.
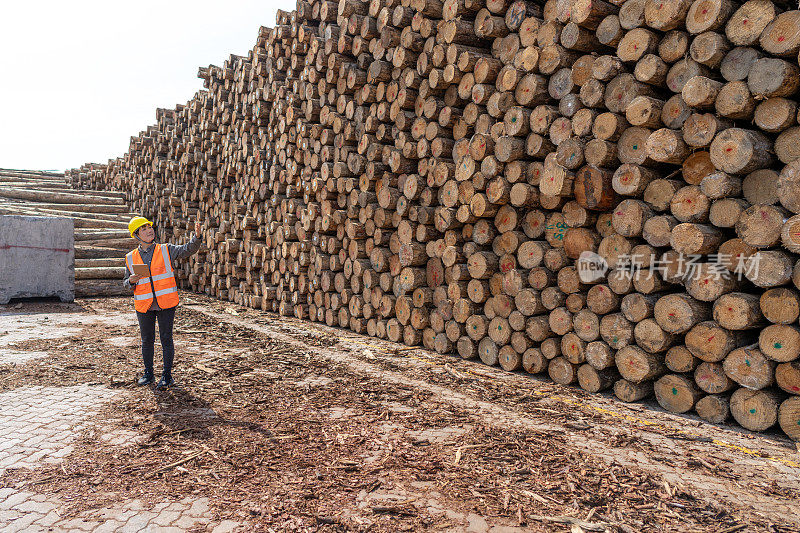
(38, 425)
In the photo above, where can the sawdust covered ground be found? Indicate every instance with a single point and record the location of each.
(283, 439)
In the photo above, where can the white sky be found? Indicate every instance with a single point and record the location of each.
(79, 78)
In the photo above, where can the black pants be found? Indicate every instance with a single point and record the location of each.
(147, 326)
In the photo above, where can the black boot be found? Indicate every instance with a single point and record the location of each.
(164, 382)
(146, 379)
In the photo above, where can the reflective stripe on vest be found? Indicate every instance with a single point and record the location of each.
(147, 296)
(167, 264)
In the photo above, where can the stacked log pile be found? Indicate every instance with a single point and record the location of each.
(100, 219)
(431, 171)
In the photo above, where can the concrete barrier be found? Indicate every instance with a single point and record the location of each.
(37, 257)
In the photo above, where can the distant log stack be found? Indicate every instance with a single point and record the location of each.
(100, 219)
(431, 173)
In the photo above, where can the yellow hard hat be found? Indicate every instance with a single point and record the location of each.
(136, 223)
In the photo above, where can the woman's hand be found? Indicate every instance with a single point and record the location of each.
(134, 279)
(197, 228)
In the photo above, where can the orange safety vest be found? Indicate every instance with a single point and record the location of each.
(162, 277)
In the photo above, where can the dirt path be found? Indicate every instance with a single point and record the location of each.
(733, 470)
(289, 425)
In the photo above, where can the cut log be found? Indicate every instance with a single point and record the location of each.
(789, 417)
(756, 410)
(749, 21)
(676, 394)
(98, 272)
(714, 408)
(780, 342)
(749, 368)
(678, 313)
(100, 287)
(711, 378)
(592, 380)
(628, 391)
(636, 365)
(738, 311)
(739, 151)
(679, 359)
(60, 197)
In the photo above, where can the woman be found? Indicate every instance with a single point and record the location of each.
(156, 297)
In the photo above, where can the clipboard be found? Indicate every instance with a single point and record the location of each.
(143, 271)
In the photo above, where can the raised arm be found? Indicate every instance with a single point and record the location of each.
(183, 251)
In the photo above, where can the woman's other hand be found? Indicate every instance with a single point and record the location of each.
(134, 279)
